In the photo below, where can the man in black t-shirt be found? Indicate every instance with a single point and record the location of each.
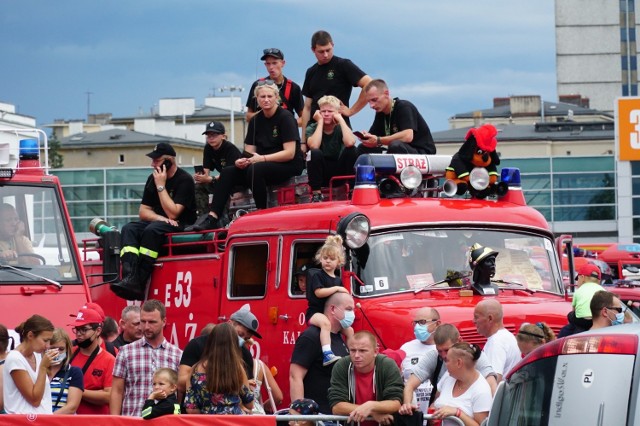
(331, 75)
(290, 92)
(218, 154)
(168, 205)
(308, 378)
(397, 126)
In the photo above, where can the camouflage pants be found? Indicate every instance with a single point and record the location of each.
(203, 191)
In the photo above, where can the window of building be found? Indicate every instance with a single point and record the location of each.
(121, 159)
(248, 274)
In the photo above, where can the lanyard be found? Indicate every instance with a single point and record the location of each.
(387, 123)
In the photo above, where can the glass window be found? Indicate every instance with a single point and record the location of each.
(437, 260)
(303, 255)
(580, 164)
(248, 271)
(563, 214)
(585, 197)
(536, 181)
(635, 169)
(79, 177)
(131, 176)
(33, 227)
(538, 198)
(584, 180)
(530, 165)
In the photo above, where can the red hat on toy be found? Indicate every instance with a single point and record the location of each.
(589, 270)
(485, 136)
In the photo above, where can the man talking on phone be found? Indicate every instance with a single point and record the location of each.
(218, 154)
(168, 205)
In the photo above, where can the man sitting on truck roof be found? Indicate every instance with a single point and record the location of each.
(168, 205)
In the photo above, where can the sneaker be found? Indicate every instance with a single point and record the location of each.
(317, 197)
(204, 223)
(329, 358)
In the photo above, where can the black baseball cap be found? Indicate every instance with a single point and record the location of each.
(214, 127)
(273, 52)
(161, 149)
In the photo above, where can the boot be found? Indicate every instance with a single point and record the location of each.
(128, 262)
(132, 287)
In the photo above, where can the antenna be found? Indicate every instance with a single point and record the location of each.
(88, 93)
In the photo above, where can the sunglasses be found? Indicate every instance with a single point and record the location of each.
(272, 51)
(618, 310)
(266, 82)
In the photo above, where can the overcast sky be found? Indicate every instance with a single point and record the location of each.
(446, 57)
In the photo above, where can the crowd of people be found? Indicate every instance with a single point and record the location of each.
(139, 373)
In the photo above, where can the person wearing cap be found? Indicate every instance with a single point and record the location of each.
(397, 126)
(331, 75)
(168, 205)
(290, 92)
(299, 285)
(96, 363)
(137, 361)
(588, 283)
(304, 407)
(218, 154)
(502, 346)
(331, 145)
(273, 156)
(482, 261)
(103, 342)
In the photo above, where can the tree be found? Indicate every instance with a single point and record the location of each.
(56, 160)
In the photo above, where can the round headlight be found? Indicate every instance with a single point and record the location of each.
(354, 230)
(479, 178)
(411, 177)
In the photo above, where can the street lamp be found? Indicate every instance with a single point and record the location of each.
(232, 89)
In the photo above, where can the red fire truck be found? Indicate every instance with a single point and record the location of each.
(407, 248)
(40, 267)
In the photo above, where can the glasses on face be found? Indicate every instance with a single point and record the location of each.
(272, 51)
(423, 321)
(266, 82)
(81, 330)
(617, 309)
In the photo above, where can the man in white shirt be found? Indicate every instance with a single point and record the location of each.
(424, 323)
(502, 346)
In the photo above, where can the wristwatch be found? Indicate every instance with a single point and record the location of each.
(160, 188)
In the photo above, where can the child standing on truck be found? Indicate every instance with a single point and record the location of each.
(322, 284)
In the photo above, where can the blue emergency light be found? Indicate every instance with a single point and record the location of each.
(29, 149)
(510, 176)
(365, 175)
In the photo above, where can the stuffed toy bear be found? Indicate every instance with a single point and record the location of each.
(478, 150)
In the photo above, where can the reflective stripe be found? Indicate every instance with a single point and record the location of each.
(147, 252)
(129, 249)
(146, 411)
(176, 409)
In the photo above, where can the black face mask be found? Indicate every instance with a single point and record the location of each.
(85, 343)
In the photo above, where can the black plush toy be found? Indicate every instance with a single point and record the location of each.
(478, 150)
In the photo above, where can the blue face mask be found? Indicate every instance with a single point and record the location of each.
(421, 332)
(619, 319)
(346, 322)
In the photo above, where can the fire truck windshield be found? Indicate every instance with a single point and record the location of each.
(416, 260)
(34, 242)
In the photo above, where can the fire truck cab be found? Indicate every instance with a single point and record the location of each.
(407, 248)
(40, 267)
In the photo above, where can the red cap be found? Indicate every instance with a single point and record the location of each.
(589, 270)
(397, 355)
(86, 316)
(95, 307)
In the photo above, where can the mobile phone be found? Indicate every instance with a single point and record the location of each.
(247, 154)
(166, 164)
(359, 135)
(199, 170)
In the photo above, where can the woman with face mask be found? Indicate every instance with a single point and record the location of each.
(67, 382)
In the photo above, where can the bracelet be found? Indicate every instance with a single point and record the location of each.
(458, 413)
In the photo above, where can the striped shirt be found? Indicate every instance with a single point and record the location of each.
(136, 363)
(74, 379)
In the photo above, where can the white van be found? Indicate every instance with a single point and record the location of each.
(590, 378)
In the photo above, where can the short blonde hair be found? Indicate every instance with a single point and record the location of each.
(171, 374)
(267, 86)
(329, 100)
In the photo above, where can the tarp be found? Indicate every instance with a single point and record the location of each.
(169, 420)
